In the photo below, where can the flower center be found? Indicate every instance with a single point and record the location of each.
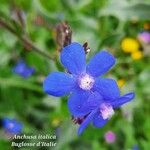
(106, 111)
(86, 82)
(11, 125)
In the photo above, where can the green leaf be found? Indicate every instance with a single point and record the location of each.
(5, 57)
(68, 131)
(125, 10)
(20, 83)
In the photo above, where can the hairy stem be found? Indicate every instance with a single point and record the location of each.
(25, 40)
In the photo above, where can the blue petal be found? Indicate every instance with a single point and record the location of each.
(5, 122)
(19, 68)
(122, 100)
(76, 103)
(27, 72)
(98, 121)
(86, 121)
(58, 84)
(23, 70)
(83, 102)
(17, 126)
(100, 63)
(135, 147)
(94, 101)
(108, 88)
(73, 58)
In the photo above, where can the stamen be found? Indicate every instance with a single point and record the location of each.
(78, 120)
(106, 111)
(86, 82)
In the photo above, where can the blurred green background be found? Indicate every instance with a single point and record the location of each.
(104, 24)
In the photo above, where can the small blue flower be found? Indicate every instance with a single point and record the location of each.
(82, 79)
(23, 70)
(135, 147)
(12, 126)
(98, 108)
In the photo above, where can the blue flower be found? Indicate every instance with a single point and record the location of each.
(99, 107)
(23, 70)
(12, 126)
(81, 79)
(92, 98)
(135, 147)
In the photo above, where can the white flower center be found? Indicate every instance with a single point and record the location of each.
(86, 82)
(106, 111)
(11, 125)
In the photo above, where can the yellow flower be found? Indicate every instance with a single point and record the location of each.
(129, 45)
(137, 55)
(55, 122)
(121, 83)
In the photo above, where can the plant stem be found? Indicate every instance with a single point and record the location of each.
(25, 40)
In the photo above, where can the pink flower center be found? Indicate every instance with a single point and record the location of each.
(106, 111)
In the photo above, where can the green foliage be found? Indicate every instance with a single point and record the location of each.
(103, 24)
